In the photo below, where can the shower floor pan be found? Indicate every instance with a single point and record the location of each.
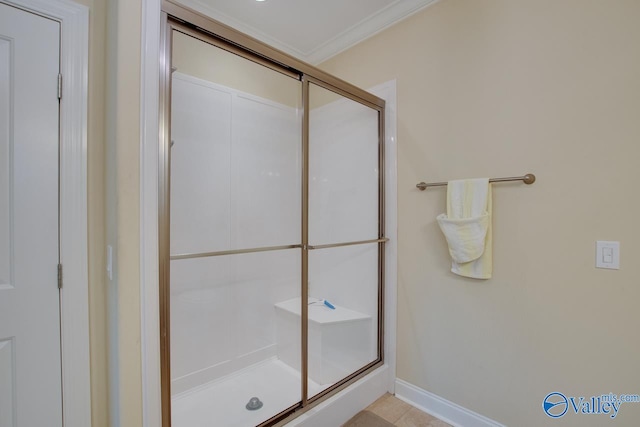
(222, 403)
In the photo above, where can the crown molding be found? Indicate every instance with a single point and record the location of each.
(368, 27)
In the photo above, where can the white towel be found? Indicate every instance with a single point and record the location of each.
(467, 227)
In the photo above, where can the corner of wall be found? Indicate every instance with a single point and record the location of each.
(123, 56)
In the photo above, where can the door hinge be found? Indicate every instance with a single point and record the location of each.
(59, 86)
(59, 276)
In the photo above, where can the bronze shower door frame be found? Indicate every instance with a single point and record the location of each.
(180, 18)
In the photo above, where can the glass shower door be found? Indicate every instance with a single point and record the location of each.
(235, 252)
(345, 238)
(272, 245)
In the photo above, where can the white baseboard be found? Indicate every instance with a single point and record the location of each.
(443, 409)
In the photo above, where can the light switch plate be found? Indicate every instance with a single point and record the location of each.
(608, 254)
(110, 262)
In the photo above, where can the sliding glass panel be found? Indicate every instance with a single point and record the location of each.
(241, 271)
(343, 312)
(235, 156)
(231, 340)
(343, 169)
(235, 186)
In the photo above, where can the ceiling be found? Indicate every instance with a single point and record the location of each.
(312, 31)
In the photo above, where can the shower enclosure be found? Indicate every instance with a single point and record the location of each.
(272, 230)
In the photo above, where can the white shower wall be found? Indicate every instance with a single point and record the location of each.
(343, 203)
(235, 169)
(236, 184)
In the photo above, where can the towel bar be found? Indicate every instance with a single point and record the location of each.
(527, 179)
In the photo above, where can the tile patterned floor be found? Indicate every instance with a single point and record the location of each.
(401, 414)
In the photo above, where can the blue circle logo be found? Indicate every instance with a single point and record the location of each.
(555, 405)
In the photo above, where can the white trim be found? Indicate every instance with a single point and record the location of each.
(387, 91)
(149, 255)
(443, 409)
(368, 27)
(74, 296)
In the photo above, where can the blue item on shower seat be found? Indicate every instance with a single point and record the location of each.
(328, 304)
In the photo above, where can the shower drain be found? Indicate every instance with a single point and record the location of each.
(254, 404)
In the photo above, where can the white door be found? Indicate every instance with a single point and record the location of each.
(30, 367)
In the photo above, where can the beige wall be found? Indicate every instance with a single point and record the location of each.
(485, 87)
(96, 211)
(113, 203)
(123, 209)
(113, 199)
(500, 88)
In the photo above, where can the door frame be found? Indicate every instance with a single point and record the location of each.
(74, 295)
(149, 210)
